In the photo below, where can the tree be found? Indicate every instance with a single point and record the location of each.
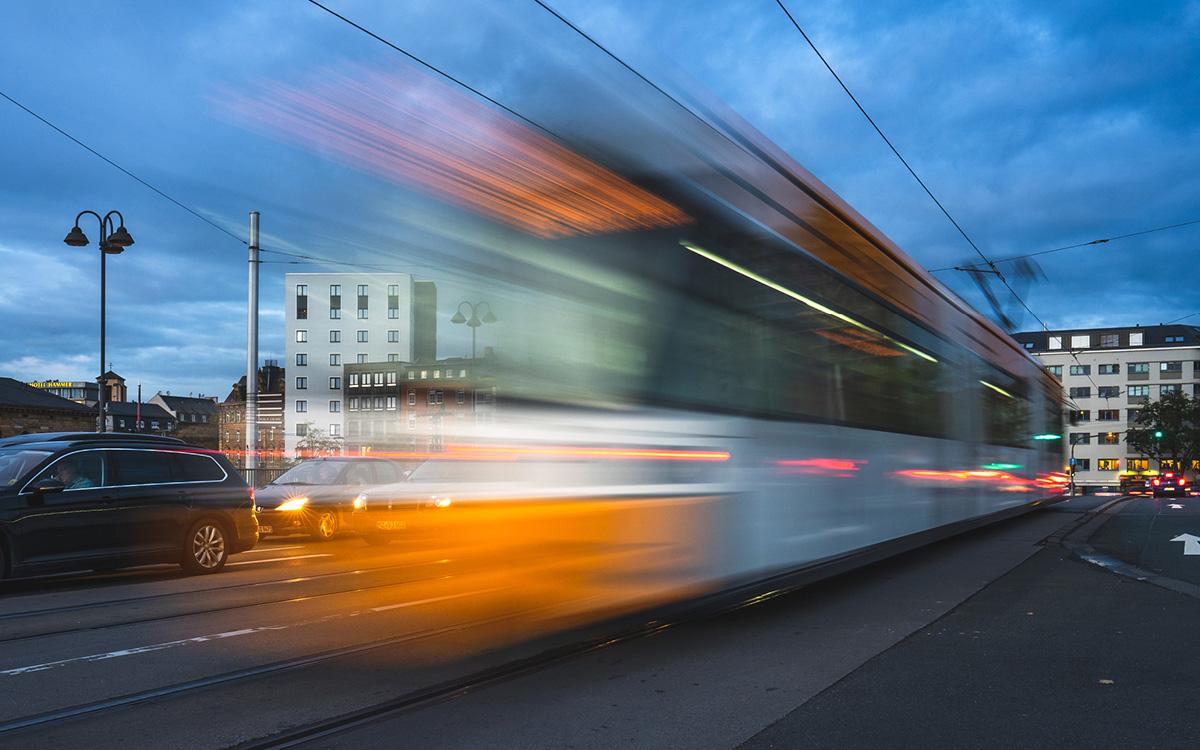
(317, 443)
(1168, 430)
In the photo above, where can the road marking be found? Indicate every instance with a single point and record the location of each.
(1175, 506)
(1191, 543)
(276, 559)
(272, 549)
(135, 650)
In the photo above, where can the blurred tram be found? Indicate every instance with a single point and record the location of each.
(703, 353)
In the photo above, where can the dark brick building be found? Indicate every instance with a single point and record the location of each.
(24, 409)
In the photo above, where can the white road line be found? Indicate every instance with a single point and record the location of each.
(275, 559)
(272, 549)
(135, 650)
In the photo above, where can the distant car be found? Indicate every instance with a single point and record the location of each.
(100, 501)
(316, 496)
(1168, 484)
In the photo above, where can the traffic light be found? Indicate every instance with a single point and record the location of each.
(1158, 434)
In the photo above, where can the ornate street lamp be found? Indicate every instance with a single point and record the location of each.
(474, 322)
(114, 238)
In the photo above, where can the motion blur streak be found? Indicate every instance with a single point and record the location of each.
(418, 131)
(455, 452)
(844, 468)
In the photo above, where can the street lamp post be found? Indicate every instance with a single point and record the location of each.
(112, 242)
(474, 322)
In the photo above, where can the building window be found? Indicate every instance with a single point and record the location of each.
(1135, 339)
(1080, 438)
(301, 336)
(393, 313)
(412, 397)
(391, 377)
(362, 290)
(1081, 369)
(335, 313)
(1110, 340)
(1137, 464)
(1108, 464)
(353, 403)
(393, 337)
(391, 403)
(362, 337)
(335, 360)
(1081, 342)
(1131, 415)
(1138, 390)
(301, 360)
(361, 359)
(335, 337)
(301, 302)
(393, 290)
(379, 403)
(301, 383)
(412, 421)
(1172, 388)
(378, 378)
(335, 290)
(1108, 415)
(362, 313)
(462, 373)
(1173, 339)
(335, 382)
(1139, 367)
(301, 430)
(335, 429)
(1108, 391)
(353, 379)
(412, 374)
(393, 357)
(1110, 369)
(460, 397)
(301, 407)
(1028, 345)
(1109, 438)
(1080, 415)
(302, 290)
(1055, 370)
(1170, 367)
(437, 373)
(1055, 342)
(424, 374)
(335, 406)
(1081, 392)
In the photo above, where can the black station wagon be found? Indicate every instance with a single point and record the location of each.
(100, 501)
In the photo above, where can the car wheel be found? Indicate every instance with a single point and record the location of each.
(377, 540)
(205, 548)
(324, 526)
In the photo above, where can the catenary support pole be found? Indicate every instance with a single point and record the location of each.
(252, 352)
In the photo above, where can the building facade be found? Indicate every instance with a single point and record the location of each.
(83, 392)
(195, 417)
(1107, 375)
(337, 319)
(25, 409)
(415, 406)
(231, 416)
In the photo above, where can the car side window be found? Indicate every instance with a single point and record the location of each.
(358, 474)
(190, 467)
(143, 467)
(79, 471)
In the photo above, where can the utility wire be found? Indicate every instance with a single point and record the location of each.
(1072, 247)
(988, 262)
(109, 161)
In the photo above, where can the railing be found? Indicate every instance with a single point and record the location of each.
(260, 476)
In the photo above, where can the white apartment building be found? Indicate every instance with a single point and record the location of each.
(1107, 374)
(334, 319)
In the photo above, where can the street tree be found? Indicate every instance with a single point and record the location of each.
(317, 442)
(1168, 430)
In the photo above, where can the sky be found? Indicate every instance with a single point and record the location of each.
(1037, 124)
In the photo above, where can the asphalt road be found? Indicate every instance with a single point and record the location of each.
(1152, 533)
(987, 639)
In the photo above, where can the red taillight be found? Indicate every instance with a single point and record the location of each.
(1182, 482)
(1169, 474)
(1156, 482)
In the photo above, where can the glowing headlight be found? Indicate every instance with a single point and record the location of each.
(295, 503)
(360, 502)
(441, 502)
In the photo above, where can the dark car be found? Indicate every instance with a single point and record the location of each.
(316, 496)
(99, 501)
(1169, 484)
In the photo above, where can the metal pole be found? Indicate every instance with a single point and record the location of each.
(472, 339)
(101, 403)
(252, 351)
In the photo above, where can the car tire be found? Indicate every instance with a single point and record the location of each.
(205, 548)
(377, 540)
(324, 526)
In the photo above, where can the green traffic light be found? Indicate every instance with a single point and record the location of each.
(1158, 434)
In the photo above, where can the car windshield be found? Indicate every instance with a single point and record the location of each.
(16, 463)
(312, 472)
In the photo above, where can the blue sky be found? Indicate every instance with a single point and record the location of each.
(1038, 125)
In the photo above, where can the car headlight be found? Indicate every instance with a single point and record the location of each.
(360, 502)
(295, 503)
(441, 502)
